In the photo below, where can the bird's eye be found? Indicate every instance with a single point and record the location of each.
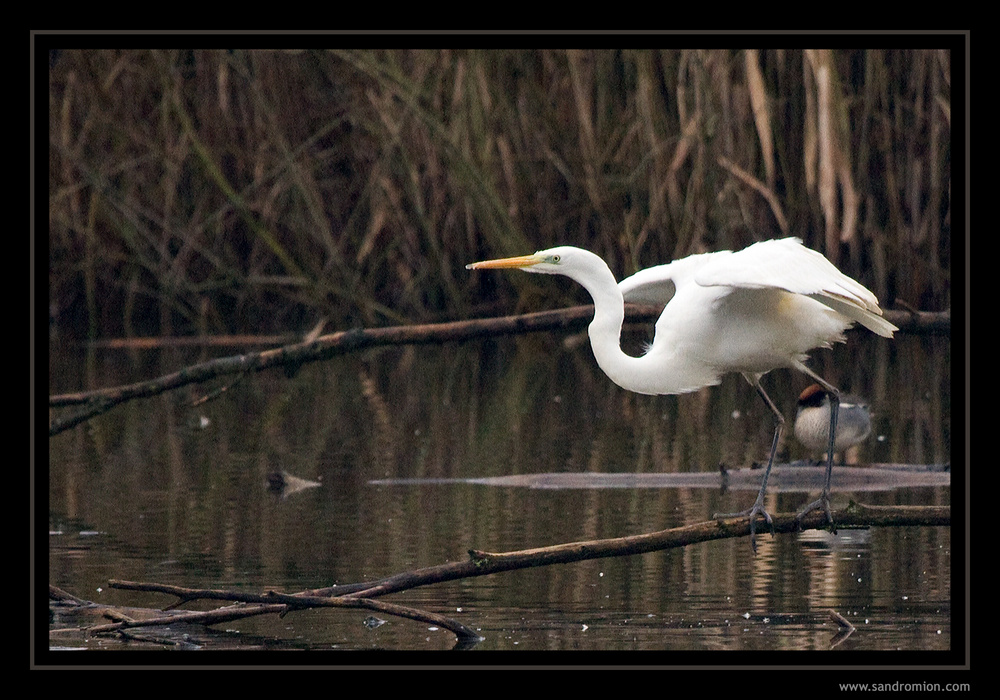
(555, 258)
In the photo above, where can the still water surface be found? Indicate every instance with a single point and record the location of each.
(159, 491)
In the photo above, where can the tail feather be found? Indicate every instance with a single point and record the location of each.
(871, 318)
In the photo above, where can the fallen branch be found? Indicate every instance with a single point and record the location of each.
(291, 357)
(265, 603)
(481, 563)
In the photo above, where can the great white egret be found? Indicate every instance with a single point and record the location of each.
(751, 311)
(812, 420)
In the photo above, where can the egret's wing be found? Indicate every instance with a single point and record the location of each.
(787, 264)
(783, 264)
(648, 286)
(656, 285)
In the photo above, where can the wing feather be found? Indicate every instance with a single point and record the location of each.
(781, 264)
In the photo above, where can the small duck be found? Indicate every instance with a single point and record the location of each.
(812, 421)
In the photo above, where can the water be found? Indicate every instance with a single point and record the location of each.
(160, 491)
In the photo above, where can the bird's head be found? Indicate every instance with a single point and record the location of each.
(564, 260)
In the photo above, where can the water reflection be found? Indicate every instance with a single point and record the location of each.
(176, 495)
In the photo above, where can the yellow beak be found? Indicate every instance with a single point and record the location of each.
(520, 261)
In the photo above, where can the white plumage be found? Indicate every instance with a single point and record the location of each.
(750, 311)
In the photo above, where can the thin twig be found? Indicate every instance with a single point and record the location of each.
(841, 620)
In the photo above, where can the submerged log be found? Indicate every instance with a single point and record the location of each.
(784, 478)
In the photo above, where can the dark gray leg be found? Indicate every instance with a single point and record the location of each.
(758, 507)
(824, 500)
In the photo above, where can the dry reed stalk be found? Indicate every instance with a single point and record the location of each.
(759, 102)
(187, 185)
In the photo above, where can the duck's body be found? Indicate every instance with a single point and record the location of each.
(812, 420)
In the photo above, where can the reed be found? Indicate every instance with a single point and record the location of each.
(234, 191)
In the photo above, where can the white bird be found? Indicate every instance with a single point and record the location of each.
(751, 311)
(812, 420)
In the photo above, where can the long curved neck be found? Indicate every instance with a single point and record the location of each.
(632, 373)
(661, 371)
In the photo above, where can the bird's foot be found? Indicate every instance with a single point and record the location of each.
(822, 502)
(757, 509)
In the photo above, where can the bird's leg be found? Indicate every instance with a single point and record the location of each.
(758, 507)
(824, 500)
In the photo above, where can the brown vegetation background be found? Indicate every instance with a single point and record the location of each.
(234, 191)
